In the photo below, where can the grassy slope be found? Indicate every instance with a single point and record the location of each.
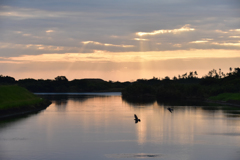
(15, 97)
(226, 97)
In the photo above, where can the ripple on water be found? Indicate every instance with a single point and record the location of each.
(134, 155)
(13, 139)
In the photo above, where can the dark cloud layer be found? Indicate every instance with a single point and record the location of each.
(116, 22)
(106, 28)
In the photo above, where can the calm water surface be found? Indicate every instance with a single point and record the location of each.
(101, 126)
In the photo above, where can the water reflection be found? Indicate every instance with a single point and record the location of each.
(102, 126)
(134, 155)
(142, 102)
(8, 121)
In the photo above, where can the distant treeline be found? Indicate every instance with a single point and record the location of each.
(62, 84)
(186, 86)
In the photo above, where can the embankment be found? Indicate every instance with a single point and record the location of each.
(226, 99)
(15, 101)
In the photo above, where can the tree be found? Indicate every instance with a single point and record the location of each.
(213, 74)
(7, 79)
(184, 75)
(61, 78)
(190, 75)
(195, 73)
(166, 78)
(237, 71)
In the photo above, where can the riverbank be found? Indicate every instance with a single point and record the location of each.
(232, 99)
(15, 101)
(226, 99)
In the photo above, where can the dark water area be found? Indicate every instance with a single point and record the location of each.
(101, 126)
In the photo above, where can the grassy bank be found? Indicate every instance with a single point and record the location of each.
(226, 97)
(13, 97)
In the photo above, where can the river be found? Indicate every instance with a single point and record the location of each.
(101, 126)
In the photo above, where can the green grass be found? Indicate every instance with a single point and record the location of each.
(12, 96)
(226, 97)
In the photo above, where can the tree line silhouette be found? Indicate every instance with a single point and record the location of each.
(185, 86)
(62, 84)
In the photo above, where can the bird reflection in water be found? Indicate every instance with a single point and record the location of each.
(170, 109)
(136, 119)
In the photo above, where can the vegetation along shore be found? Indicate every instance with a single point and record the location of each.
(16, 100)
(215, 87)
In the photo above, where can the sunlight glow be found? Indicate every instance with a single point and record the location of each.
(49, 31)
(140, 39)
(198, 41)
(141, 131)
(102, 56)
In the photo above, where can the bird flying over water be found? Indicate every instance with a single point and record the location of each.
(170, 109)
(136, 119)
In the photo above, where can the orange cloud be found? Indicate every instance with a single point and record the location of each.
(126, 56)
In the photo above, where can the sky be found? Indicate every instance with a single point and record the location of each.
(118, 40)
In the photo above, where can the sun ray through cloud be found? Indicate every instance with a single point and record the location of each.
(103, 32)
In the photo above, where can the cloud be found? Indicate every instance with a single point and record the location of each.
(227, 44)
(116, 30)
(234, 30)
(198, 41)
(115, 27)
(140, 39)
(124, 56)
(203, 40)
(234, 36)
(182, 29)
(28, 13)
(107, 44)
(34, 46)
(220, 31)
(49, 31)
(116, 71)
(177, 45)
(88, 42)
